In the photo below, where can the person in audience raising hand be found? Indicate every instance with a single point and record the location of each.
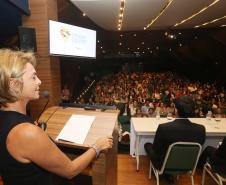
(27, 155)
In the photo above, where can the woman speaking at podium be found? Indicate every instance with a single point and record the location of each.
(27, 155)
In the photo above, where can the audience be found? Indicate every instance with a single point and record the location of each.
(159, 89)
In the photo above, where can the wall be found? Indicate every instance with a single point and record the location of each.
(48, 68)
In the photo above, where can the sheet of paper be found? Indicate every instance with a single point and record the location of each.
(76, 129)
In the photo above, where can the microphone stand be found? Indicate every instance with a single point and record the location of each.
(42, 124)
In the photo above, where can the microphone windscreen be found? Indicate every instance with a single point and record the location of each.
(45, 94)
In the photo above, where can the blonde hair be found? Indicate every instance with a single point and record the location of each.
(12, 64)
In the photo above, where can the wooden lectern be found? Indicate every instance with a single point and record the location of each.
(104, 169)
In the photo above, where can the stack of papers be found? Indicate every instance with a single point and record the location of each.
(76, 129)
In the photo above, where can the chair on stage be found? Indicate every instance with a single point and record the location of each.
(181, 158)
(219, 178)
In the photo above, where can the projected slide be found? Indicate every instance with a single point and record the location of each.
(69, 40)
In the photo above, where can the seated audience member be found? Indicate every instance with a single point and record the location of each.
(215, 156)
(145, 108)
(178, 130)
(66, 95)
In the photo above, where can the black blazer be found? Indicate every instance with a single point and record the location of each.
(221, 151)
(177, 130)
(217, 157)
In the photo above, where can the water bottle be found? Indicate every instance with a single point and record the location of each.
(157, 115)
(209, 115)
(169, 116)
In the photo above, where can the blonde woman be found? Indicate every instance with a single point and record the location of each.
(27, 155)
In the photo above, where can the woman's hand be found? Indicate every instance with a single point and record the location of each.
(104, 143)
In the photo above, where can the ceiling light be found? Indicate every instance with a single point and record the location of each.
(170, 35)
(84, 14)
(121, 12)
(160, 13)
(210, 22)
(202, 10)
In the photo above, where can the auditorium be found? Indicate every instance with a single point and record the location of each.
(114, 92)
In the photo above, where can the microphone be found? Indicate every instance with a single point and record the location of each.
(42, 124)
(45, 94)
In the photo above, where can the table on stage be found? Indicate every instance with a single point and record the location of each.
(143, 130)
(104, 169)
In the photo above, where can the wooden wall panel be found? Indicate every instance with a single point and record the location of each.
(48, 68)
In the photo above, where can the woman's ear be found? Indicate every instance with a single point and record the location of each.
(15, 85)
